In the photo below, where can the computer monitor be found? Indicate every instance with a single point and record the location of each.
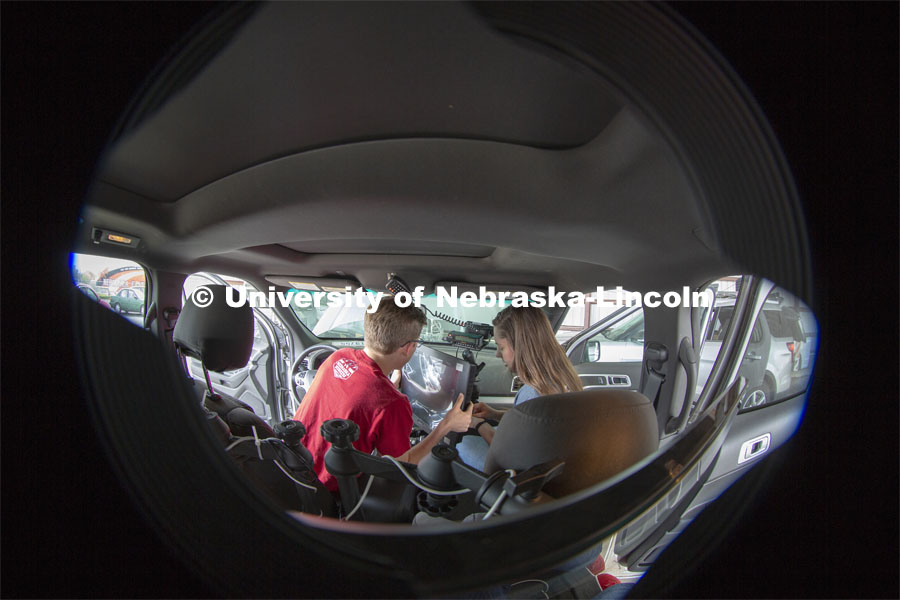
(432, 380)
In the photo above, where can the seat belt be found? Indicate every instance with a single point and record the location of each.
(654, 375)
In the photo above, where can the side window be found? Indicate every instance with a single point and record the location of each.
(786, 349)
(621, 341)
(779, 357)
(580, 318)
(117, 284)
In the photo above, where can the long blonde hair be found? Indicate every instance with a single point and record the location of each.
(539, 359)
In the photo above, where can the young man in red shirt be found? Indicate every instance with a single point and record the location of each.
(353, 384)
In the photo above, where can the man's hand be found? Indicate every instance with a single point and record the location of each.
(457, 419)
(395, 378)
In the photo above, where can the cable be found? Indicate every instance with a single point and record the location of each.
(449, 319)
(422, 486)
(543, 591)
(361, 498)
(280, 465)
(256, 441)
(237, 441)
(495, 506)
(499, 499)
(291, 477)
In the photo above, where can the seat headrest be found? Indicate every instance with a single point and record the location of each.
(219, 335)
(598, 433)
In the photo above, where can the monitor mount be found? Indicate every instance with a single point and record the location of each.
(442, 478)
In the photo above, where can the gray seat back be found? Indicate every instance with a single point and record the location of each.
(598, 433)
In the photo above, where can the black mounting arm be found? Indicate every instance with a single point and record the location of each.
(441, 476)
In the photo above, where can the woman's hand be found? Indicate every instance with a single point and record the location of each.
(486, 431)
(485, 412)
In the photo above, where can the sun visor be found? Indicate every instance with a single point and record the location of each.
(314, 284)
(488, 287)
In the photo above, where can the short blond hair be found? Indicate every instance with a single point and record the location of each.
(392, 326)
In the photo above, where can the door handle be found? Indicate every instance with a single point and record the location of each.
(752, 356)
(753, 448)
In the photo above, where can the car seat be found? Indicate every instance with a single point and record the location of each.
(221, 338)
(598, 433)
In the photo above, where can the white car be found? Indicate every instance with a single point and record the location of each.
(773, 354)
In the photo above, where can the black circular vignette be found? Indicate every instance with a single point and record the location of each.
(824, 74)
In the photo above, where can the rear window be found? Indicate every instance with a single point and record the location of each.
(114, 283)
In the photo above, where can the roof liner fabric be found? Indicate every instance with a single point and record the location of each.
(619, 204)
(390, 127)
(311, 75)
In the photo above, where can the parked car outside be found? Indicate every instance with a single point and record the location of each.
(128, 300)
(772, 354)
(810, 329)
(92, 294)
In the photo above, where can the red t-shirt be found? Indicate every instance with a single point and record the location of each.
(350, 385)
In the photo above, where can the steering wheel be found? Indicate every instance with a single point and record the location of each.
(300, 378)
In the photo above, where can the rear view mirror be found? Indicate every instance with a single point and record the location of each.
(593, 351)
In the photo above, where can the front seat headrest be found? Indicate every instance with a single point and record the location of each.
(598, 433)
(218, 335)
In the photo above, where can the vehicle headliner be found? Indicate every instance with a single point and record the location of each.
(323, 141)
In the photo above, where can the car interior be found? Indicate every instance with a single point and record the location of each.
(298, 148)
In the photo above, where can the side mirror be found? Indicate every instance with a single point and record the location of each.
(593, 351)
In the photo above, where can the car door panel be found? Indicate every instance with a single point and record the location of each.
(613, 375)
(751, 435)
(641, 540)
(775, 423)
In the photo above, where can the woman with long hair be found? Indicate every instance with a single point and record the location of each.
(528, 348)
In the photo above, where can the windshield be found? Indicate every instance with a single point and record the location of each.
(346, 322)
